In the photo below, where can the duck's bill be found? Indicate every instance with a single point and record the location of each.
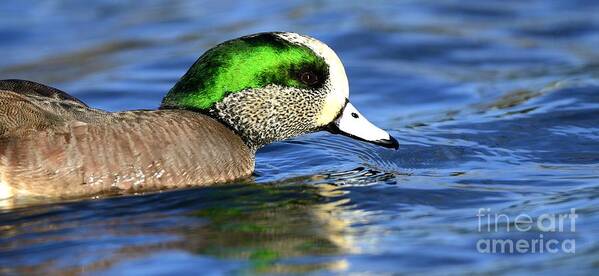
(352, 124)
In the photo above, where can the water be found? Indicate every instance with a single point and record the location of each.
(495, 105)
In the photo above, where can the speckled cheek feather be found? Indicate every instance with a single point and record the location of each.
(272, 113)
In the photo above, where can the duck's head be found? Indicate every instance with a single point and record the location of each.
(272, 86)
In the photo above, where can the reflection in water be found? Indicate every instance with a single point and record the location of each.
(291, 222)
(260, 224)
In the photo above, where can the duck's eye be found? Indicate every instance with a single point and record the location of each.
(309, 78)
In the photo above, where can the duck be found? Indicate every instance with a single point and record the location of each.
(237, 97)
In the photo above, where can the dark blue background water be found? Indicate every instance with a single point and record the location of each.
(495, 104)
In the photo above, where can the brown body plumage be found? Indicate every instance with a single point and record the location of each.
(52, 144)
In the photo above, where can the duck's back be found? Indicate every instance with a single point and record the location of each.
(29, 106)
(52, 144)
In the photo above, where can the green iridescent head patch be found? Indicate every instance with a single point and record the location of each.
(248, 62)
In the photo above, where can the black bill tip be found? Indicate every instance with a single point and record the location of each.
(388, 143)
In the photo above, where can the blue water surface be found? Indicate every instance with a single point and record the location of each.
(495, 105)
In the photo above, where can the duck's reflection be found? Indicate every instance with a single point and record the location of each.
(266, 227)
